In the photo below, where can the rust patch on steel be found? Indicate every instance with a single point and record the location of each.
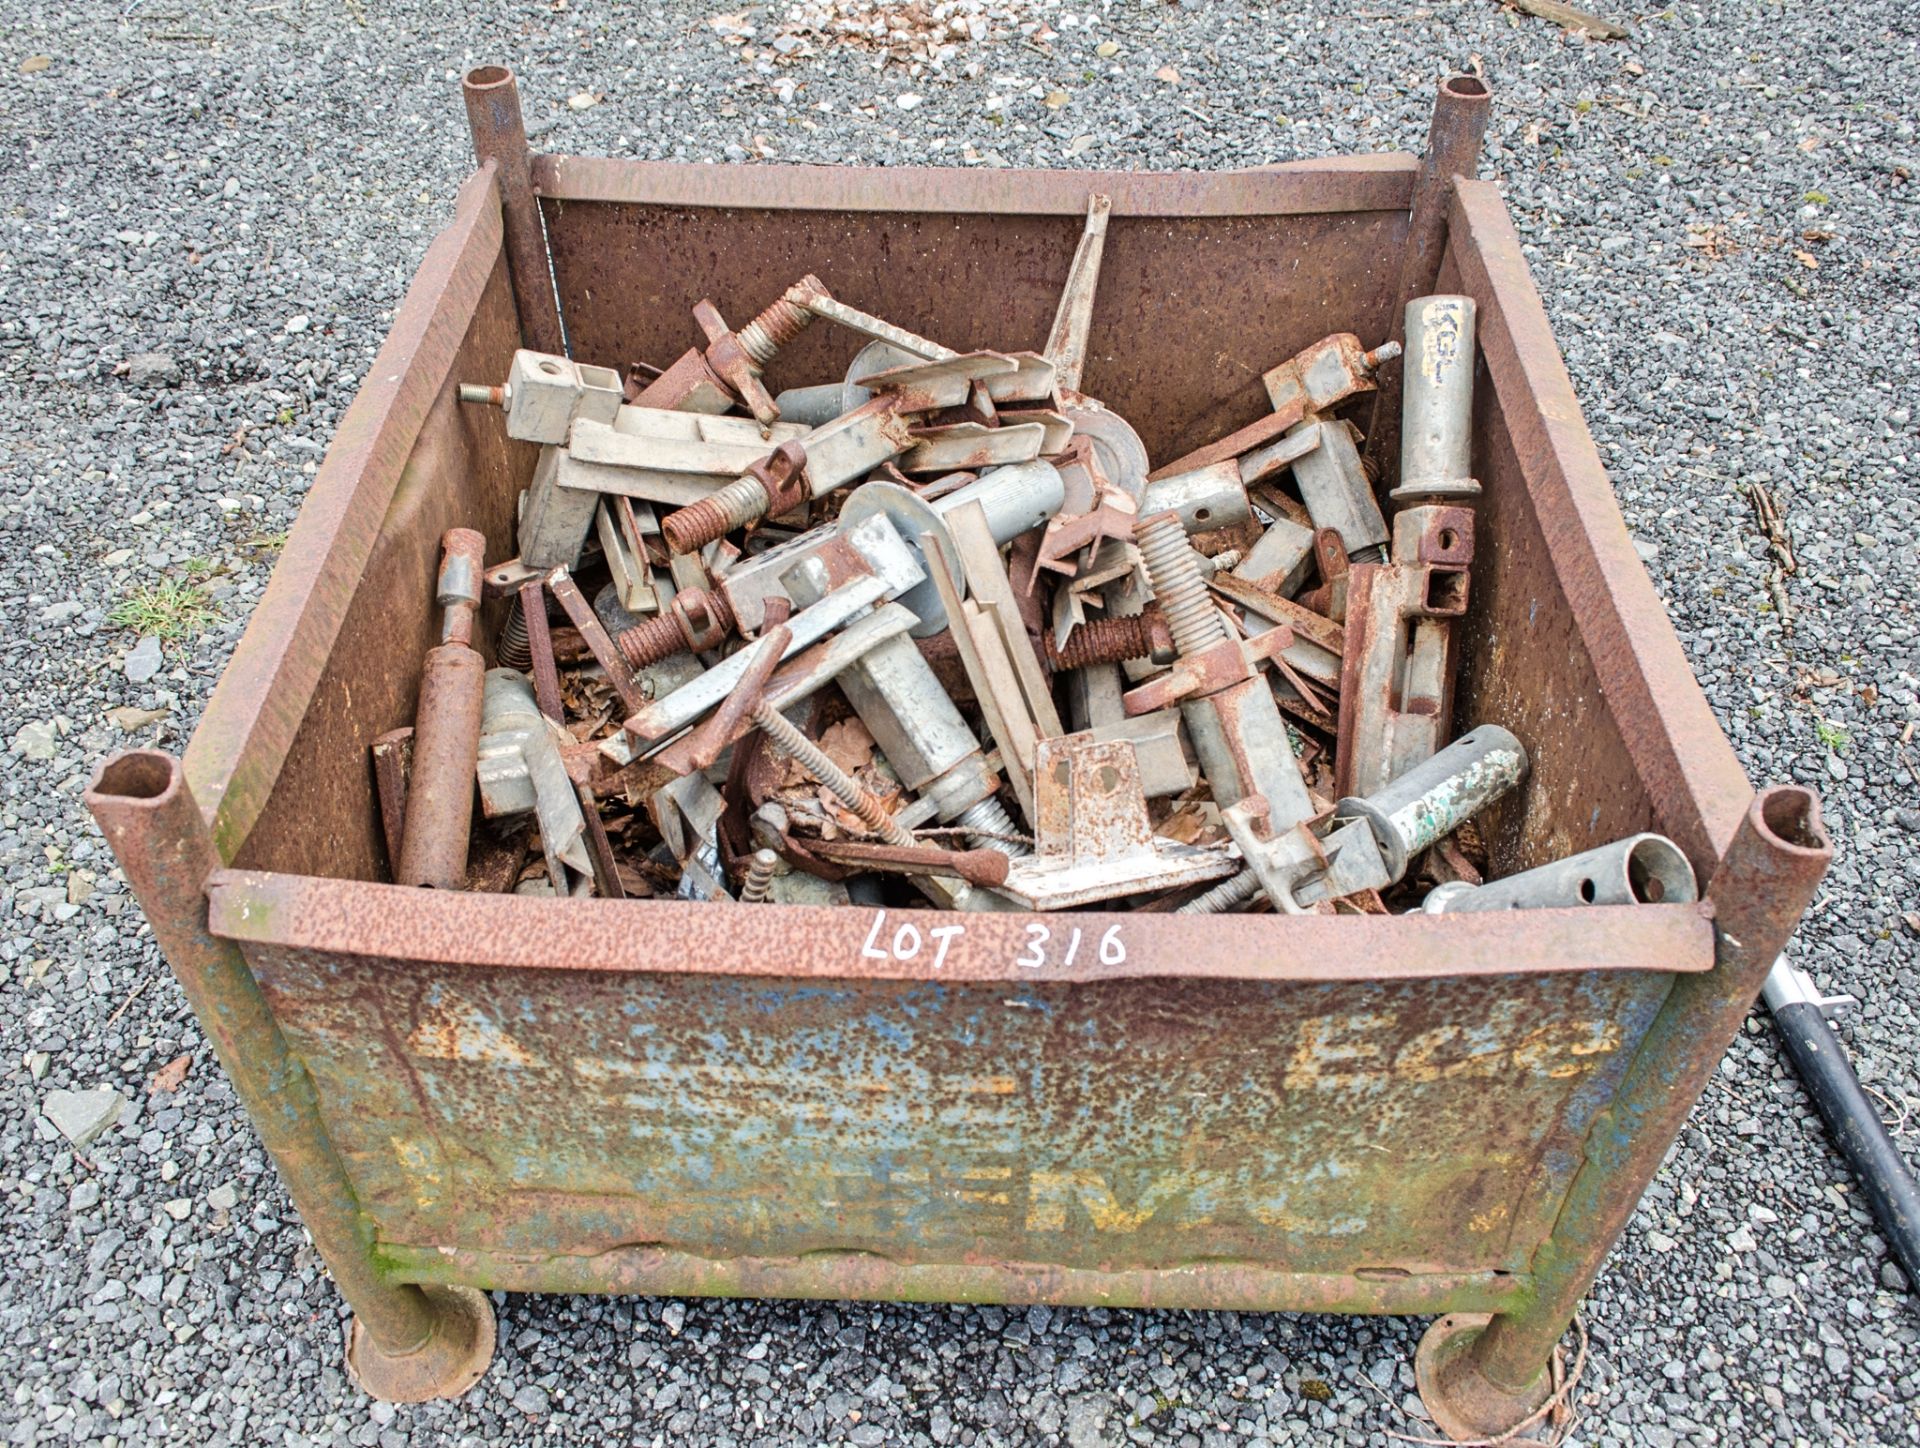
(1382, 182)
(691, 937)
(872, 1277)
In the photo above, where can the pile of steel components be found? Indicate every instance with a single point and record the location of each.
(936, 631)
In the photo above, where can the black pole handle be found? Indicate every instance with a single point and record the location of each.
(1854, 1123)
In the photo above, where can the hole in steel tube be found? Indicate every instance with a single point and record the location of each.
(1587, 892)
(1657, 871)
(552, 369)
(138, 774)
(1200, 515)
(1465, 85)
(1108, 779)
(488, 75)
(1448, 538)
(1793, 814)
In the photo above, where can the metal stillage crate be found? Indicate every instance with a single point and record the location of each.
(1448, 1114)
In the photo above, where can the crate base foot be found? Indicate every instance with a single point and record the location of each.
(445, 1366)
(1465, 1406)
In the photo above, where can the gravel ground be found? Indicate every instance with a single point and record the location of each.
(211, 211)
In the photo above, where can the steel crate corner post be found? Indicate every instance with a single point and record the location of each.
(1459, 124)
(500, 135)
(407, 1343)
(1481, 1375)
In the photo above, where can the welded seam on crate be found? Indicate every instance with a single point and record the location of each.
(867, 1276)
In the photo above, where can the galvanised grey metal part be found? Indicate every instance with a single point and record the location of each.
(1436, 435)
(1014, 498)
(1643, 869)
(1432, 799)
(684, 705)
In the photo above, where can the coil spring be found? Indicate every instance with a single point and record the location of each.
(512, 647)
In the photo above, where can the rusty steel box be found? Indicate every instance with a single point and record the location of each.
(1449, 1114)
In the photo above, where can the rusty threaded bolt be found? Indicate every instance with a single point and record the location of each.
(740, 502)
(757, 888)
(780, 323)
(1224, 896)
(695, 620)
(1109, 640)
(786, 740)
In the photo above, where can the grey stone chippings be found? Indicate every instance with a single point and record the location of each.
(211, 213)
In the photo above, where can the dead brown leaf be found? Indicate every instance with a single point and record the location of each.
(1710, 239)
(1806, 259)
(170, 1076)
(1184, 825)
(1168, 74)
(129, 718)
(34, 64)
(848, 744)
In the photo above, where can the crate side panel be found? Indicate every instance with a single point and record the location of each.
(1526, 667)
(322, 817)
(1608, 662)
(1190, 311)
(1411, 1127)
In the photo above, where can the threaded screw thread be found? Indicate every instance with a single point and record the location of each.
(1103, 641)
(987, 819)
(789, 743)
(1174, 569)
(1373, 553)
(778, 325)
(1226, 560)
(650, 642)
(757, 888)
(665, 635)
(512, 647)
(1228, 893)
(740, 502)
